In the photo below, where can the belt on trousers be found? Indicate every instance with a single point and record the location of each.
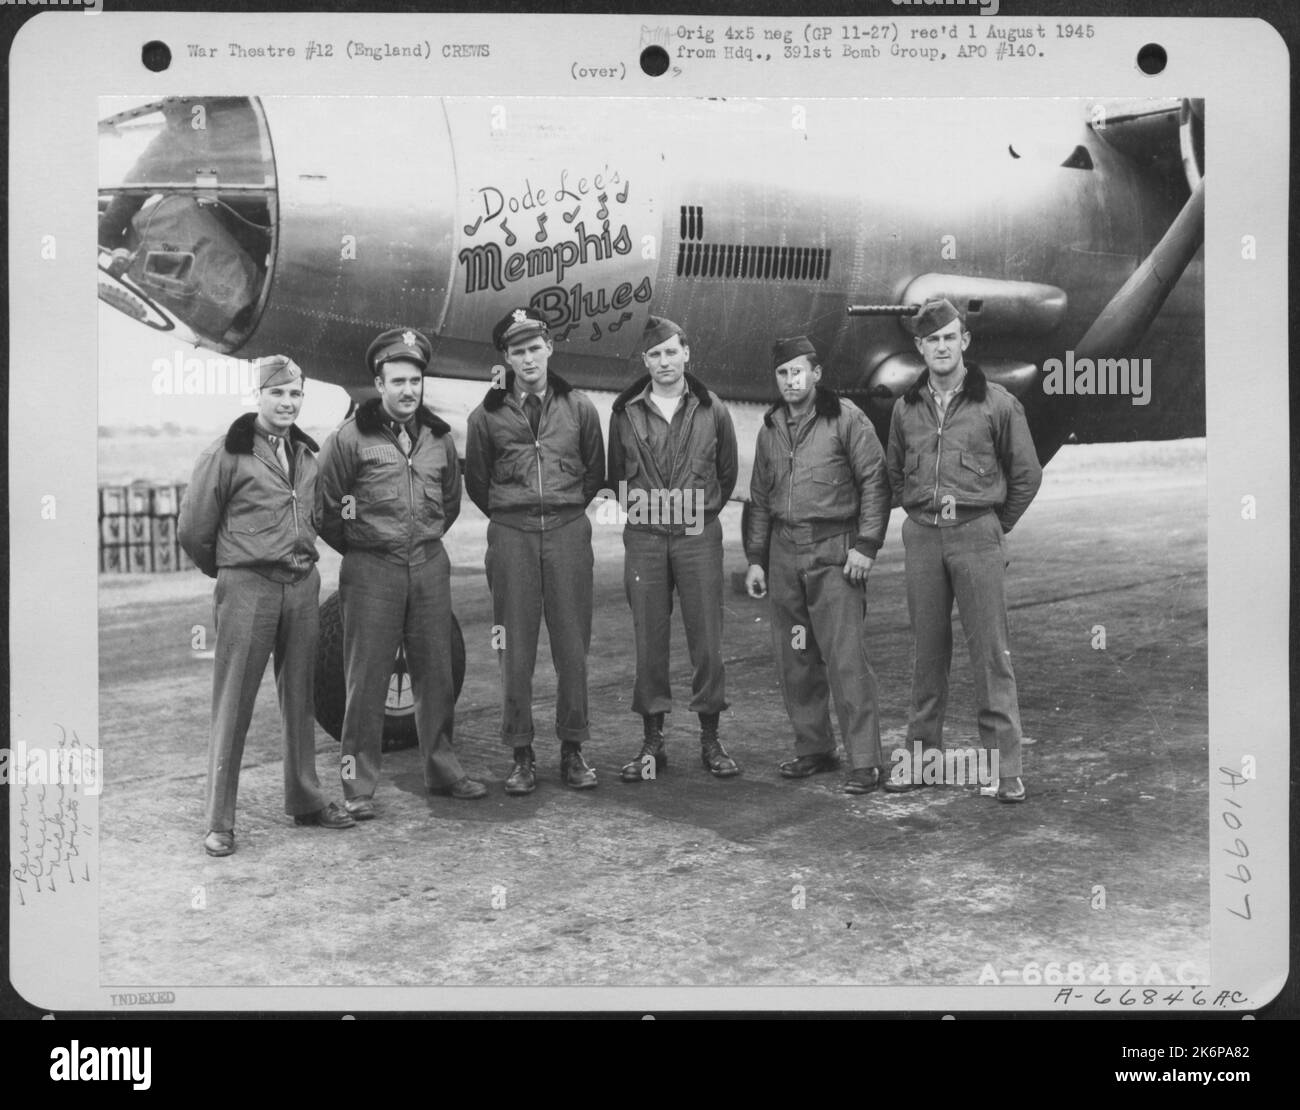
(814, 531)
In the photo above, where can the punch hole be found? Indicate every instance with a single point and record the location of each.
(654, 61)
(1152, 59)
(156, 56)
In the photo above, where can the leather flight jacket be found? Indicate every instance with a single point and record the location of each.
(975, 458)
(242, 510)
(704, 457)
(375, 498)
(534, 482)
(829, 481)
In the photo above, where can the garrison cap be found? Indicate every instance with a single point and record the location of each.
(519, 324)
(277, 370)
(783, 350)
(659, 329)
(404, 343)
(933, 315)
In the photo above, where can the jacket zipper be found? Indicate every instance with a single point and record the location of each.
(293, 499)
(541, 494)
(410, 493)
(681, 442)
(789, 491)
(537, 450)
(938, 461)
(293, 491)
(410, 490)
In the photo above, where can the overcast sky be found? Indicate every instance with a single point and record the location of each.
(130, 356)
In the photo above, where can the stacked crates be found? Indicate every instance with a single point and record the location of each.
(137, 529)
(112, 529)
(164, 508)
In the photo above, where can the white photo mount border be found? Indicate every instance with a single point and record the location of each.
(1227, 62)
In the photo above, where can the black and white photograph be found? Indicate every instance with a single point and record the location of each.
(684, 257)
(758, 541)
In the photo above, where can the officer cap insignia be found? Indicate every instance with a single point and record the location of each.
(403, 343)
(518, 324)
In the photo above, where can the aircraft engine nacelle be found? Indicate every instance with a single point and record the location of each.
(993, 307)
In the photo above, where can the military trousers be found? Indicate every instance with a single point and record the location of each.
(819, 638)
(653, 567)
(967, 563)
(256, 618)
(386, 606)
(532, 574)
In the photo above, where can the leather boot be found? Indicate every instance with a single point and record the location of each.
(712, 754)
(652, 748)
(522, 778)
(574, 771)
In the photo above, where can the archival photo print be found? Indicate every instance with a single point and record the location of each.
(652, 542)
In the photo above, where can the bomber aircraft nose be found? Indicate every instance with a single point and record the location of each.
(187, 215)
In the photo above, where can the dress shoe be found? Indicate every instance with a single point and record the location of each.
(522, 778)
(901, 786)
(362, 809)
(333, 816)
(652, 748)
(574, 771)
(219, 843)
(803, 766)
(463, 789)
(862, 780)
(1011, 790)
(715, 758)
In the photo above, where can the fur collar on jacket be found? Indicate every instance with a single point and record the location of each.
(974, 385)
(633, 391)
(371, 417)
(495, 397)
(826, 404)
(239, 439)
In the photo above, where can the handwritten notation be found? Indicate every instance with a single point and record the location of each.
(50, 782)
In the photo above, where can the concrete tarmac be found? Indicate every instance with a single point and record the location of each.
(689, 880)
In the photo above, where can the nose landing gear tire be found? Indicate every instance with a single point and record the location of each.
(399, 711)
